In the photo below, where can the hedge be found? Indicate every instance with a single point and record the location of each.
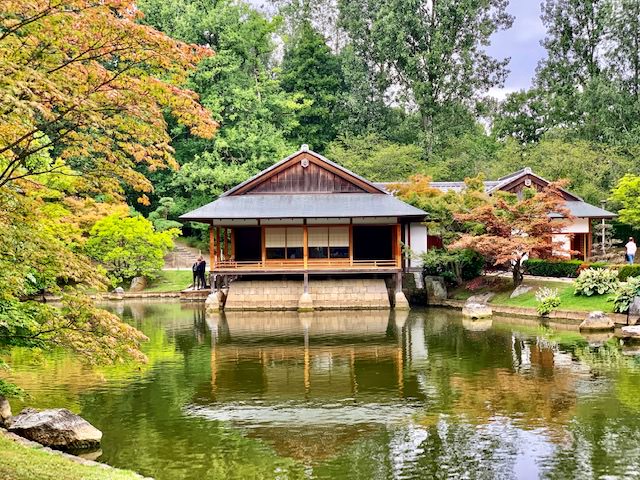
(572, 268)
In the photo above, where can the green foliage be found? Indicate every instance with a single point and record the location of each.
(596, 281)
(377, 159)
(159, 217)
(9, 390)
(553, 268)
(434, 53)
(626, 271)
(311, 70)
(129, 246)
(239, 86)
(548, 300)
(455, 265)
(627, 194)
(625, 293)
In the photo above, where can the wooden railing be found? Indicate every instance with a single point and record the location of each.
(312, 264)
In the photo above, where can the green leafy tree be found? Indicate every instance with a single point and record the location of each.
(129, 246)
(377, 159)
(311, 70)
(627, 194)
(238, 86)
(432, 51)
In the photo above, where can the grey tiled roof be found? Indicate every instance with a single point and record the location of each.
(308, 205)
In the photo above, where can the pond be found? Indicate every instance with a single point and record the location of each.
(352, 395)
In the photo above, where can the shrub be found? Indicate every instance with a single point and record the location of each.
(552, 268)
(596, 281)
(626, 271)
(455, 266)
(625, 293)
(558, 268)
(548, 300)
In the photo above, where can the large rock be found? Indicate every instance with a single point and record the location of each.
(520, 290)
(5, 412)
(476, 310)
(215, 302)
(138, 284)
(634, 308)
(597, 321)
(632, 331)
(436, 289)
(56, 428)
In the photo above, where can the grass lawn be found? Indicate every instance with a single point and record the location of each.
(171, 281)
(19, 462)
(568, 300)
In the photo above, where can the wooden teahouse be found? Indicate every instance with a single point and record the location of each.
(306, 215)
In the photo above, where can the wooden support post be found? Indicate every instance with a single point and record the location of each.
(305, 247)
(225, 233)
(219, 243)
(351, 244)
(263, 246)
(212, 247)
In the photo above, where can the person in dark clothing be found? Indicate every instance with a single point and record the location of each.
(202, 268)
(194, 270)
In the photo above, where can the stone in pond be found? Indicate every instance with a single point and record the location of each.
(597, 321)
(476, 310)
(118, 291)
(56, 428)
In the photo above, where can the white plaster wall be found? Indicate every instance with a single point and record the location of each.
(565, 242)
(577, 225)
(418, 235)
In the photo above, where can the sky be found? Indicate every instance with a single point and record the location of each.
(522, 43)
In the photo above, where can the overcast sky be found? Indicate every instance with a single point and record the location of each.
(522, 43)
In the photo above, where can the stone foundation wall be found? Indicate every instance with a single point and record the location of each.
(336, 294)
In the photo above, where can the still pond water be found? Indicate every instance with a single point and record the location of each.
(352, 395)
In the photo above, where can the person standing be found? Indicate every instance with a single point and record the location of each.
(631, 248)
(194, 270)
(202, 268)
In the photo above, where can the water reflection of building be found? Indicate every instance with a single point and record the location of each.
(309, 355)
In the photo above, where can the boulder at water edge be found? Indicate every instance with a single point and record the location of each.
(56, 428)
(476, 310)
(597, 321)
(632, 331)
(5, 412)
(138, 284)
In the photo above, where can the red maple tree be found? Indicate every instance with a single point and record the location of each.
(508, 230)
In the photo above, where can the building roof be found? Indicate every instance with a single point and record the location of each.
(577, 206)
(303, 149)
(310, 205)
(581, 209)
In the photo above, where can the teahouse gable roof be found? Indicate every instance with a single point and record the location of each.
(362, 183)
(305, 185)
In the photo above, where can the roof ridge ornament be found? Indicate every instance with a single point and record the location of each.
(304, 147)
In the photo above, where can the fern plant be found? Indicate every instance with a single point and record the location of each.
(592, 281)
